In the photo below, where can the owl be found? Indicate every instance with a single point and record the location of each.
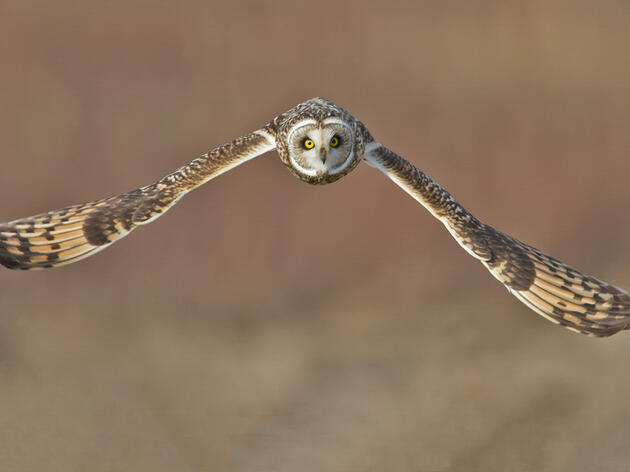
(320, 142)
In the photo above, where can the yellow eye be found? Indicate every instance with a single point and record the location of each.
(309, 144)
(334, 142)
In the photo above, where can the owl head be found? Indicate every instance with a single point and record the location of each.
(319, 141)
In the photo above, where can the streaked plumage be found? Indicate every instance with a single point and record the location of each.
(551, 288)
(63, 236)
(320, 143)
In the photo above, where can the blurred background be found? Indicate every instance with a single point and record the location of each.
(267, 325)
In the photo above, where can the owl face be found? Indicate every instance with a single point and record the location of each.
(321, 152)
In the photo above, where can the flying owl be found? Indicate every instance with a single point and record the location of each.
(320, 142)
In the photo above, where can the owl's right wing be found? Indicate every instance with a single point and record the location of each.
(549, 287)
(72, 233)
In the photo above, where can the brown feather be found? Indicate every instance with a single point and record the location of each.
(549, 287)
(75, 232)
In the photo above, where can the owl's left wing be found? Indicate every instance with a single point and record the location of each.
(551, 288)
(70, 234)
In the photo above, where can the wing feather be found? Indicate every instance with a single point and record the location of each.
(554, 290)
(67, 235)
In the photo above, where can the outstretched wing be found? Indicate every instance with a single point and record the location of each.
(72, 233)
(551, 288)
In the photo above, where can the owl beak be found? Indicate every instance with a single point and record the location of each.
(323, 154)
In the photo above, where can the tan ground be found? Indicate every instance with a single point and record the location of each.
(265, 325)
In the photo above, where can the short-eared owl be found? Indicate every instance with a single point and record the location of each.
(320, 143)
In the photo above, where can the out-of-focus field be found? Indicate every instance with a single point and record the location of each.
(267, 325)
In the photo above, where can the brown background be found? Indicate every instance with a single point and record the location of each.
(267, 325)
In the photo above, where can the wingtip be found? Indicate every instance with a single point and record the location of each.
(11, 262)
